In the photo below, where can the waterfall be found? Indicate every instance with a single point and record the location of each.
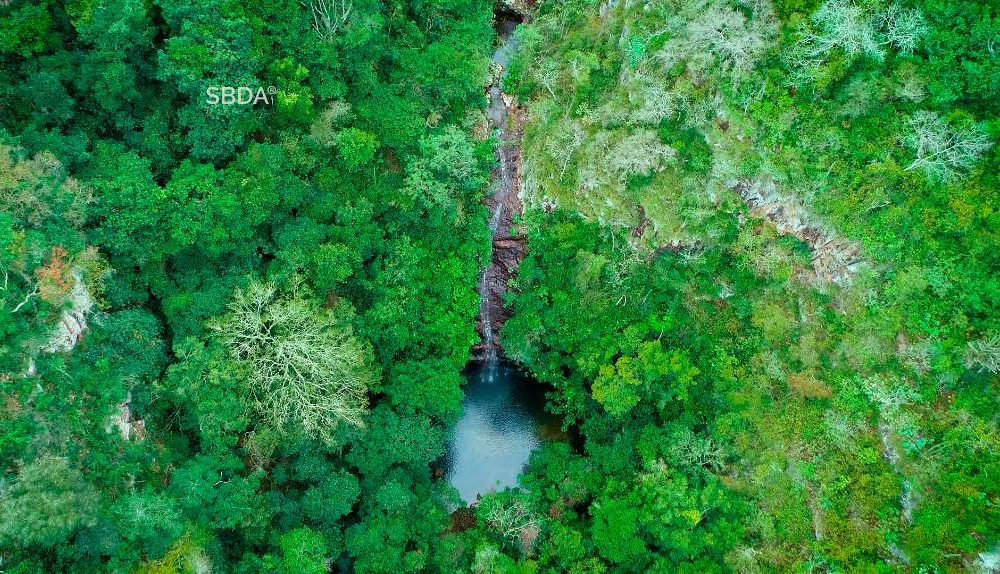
(485, 314)
(505, 249)
(502, 409)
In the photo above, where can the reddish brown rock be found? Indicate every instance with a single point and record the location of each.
(509, 247)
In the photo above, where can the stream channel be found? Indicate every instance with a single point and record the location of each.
(503, 417)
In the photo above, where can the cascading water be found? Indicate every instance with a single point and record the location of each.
(503, 415)
(505, 249)
(485, 315)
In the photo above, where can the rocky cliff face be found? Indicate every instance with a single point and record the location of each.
(835, 259)
(509, 245)
(73, 321)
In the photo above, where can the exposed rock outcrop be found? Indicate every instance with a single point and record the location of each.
(128, 427)
(520, 7)
(509, 246)
(834, 259)
(73, 321)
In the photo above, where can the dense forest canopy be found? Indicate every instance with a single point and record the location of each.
(762, 285)
(778, 330)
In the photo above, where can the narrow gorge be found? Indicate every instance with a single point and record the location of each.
(503, 409)
(506, 119)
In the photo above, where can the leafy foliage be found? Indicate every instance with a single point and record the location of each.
(263, 309)
(232, 336)
(681, 309)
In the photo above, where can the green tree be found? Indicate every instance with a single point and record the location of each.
(47, 502)
(356, 146)
(302, 552)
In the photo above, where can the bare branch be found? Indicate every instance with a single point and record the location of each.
(34, 293)
(303, 368)
(328, 16)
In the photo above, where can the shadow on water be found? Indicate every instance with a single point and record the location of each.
(503, 422)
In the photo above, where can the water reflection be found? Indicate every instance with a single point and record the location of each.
(502, 423)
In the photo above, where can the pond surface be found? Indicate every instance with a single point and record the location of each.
(502, 423)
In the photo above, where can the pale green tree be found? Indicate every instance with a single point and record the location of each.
(305, 370)
(47, 502)
(943, 151)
